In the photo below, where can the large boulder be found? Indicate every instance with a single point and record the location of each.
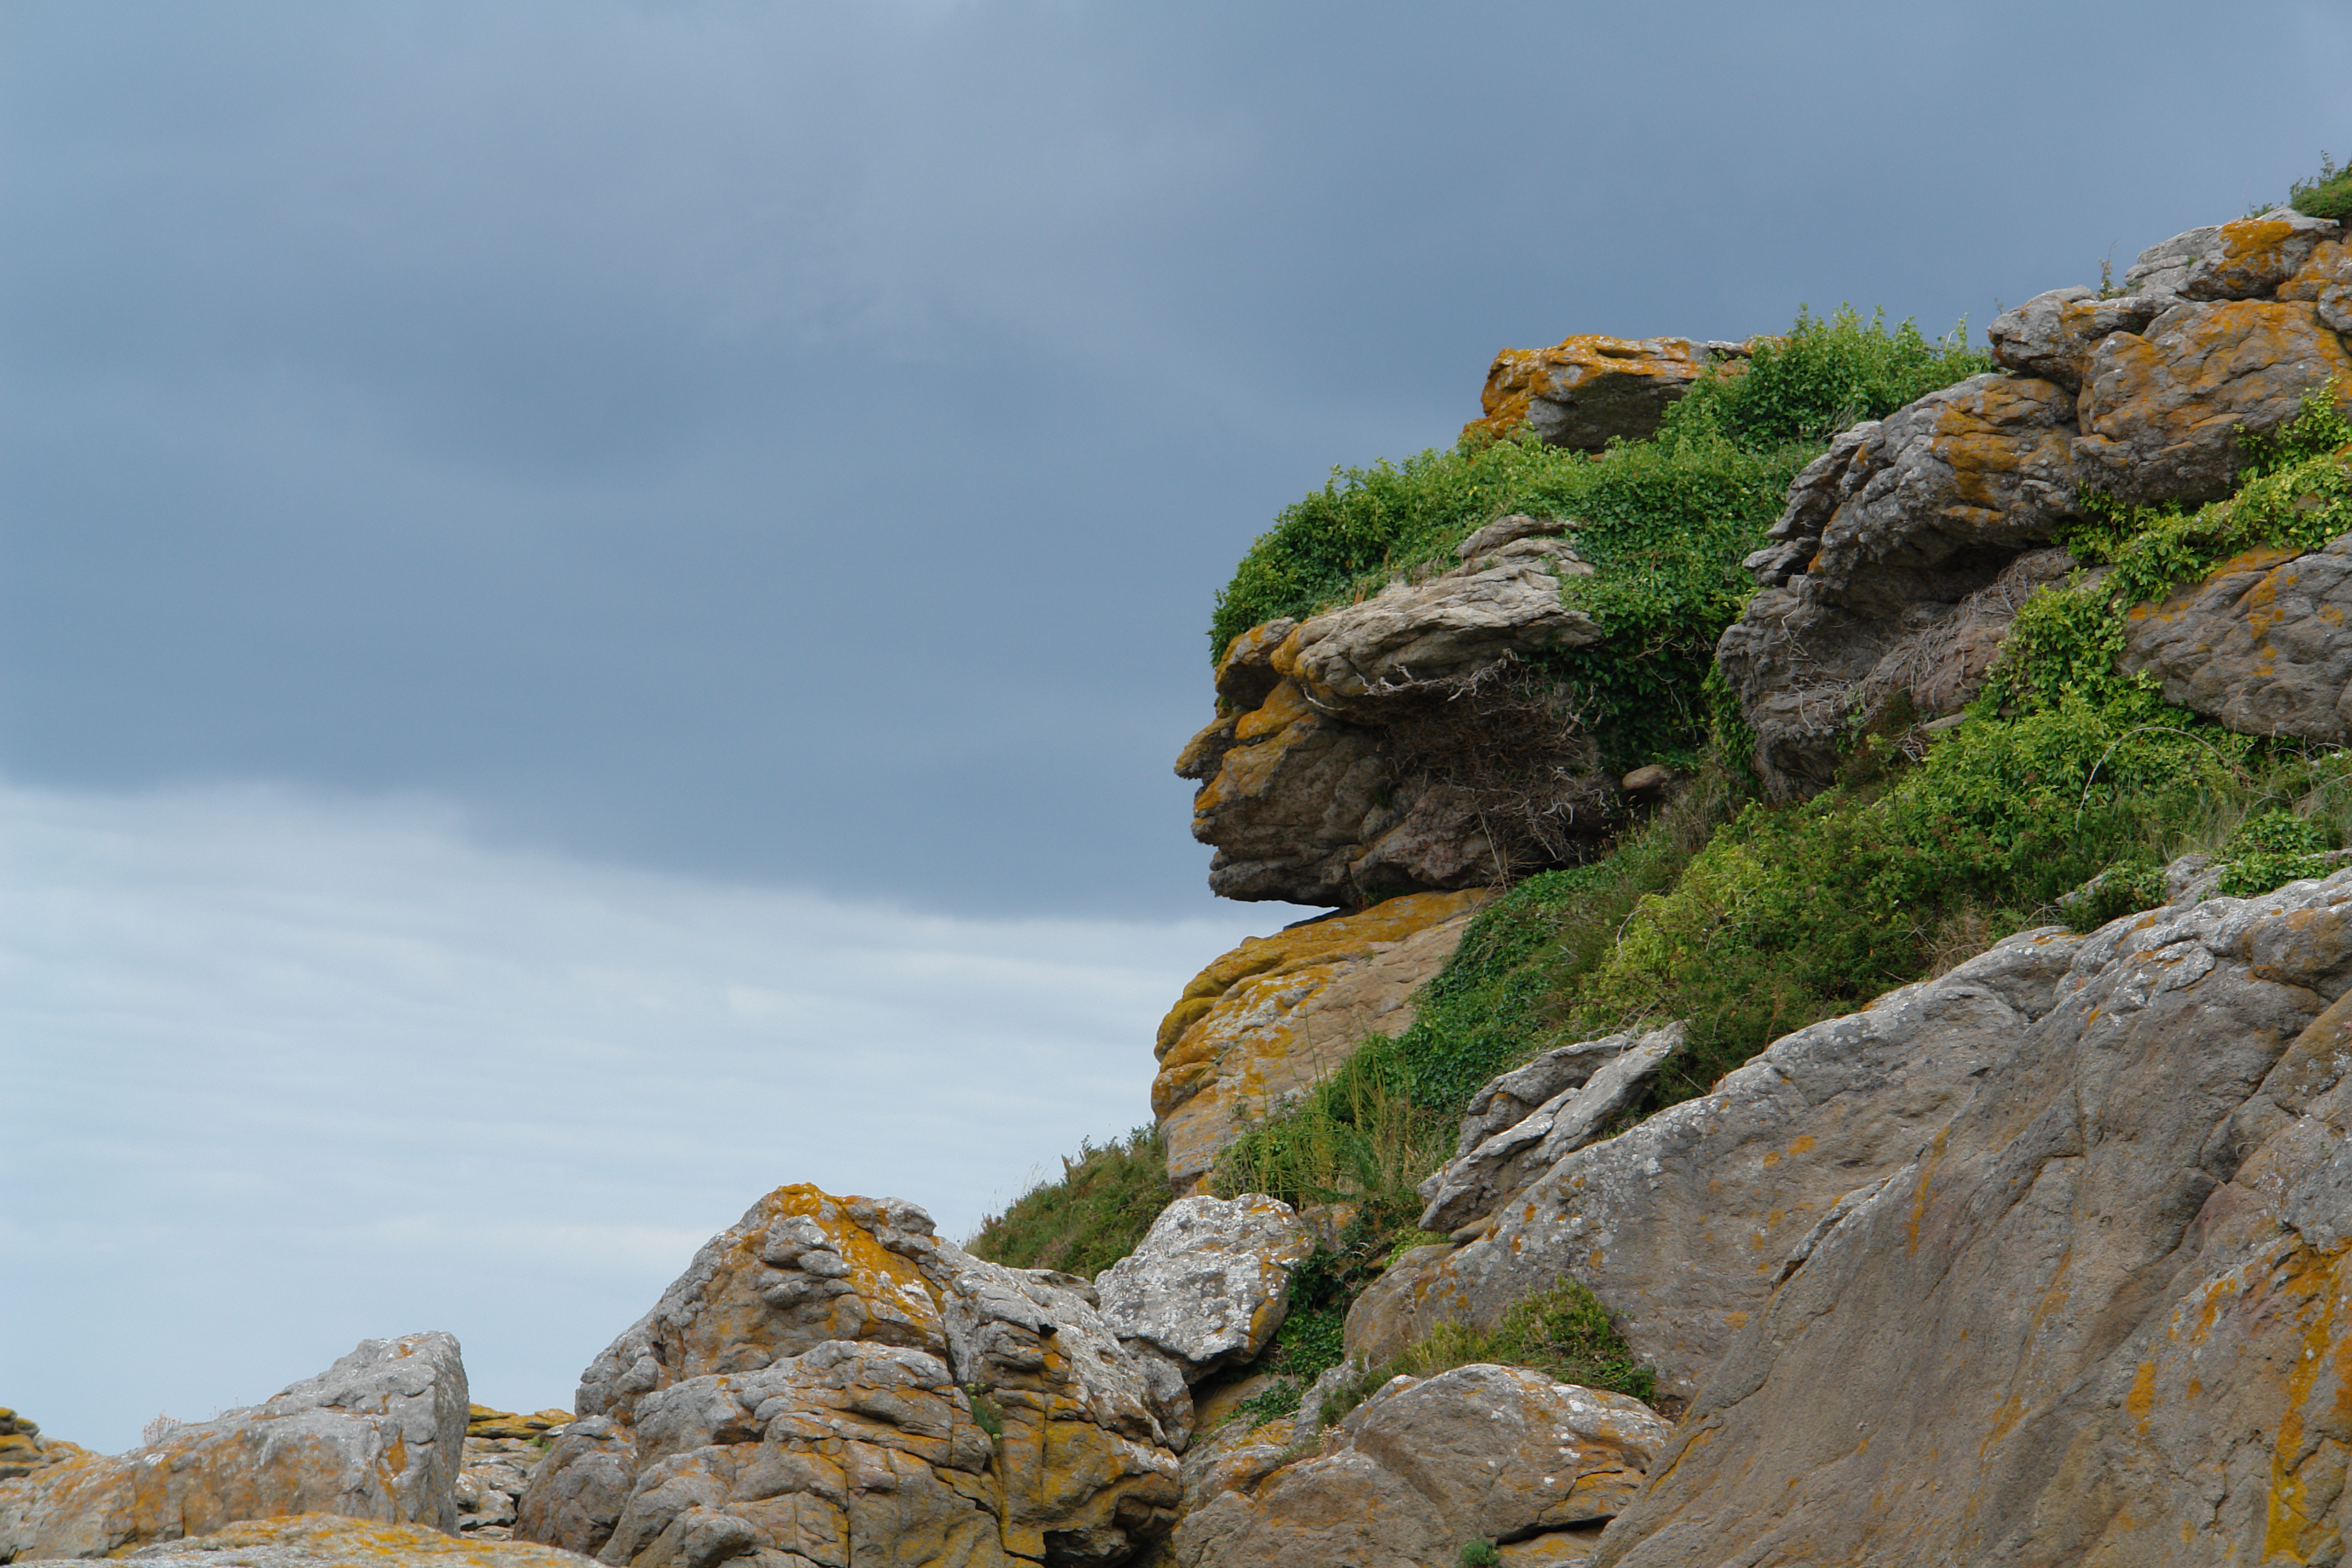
(1425, 1466)
(1280, 1014)
(378, 1436)
(2161, 410)
(2263, 643)
(2103, 1316)
(1342, 767)
(830, 1383)
(1209, 1284)
(1679, 1224)
(2248, 260)
(1901, 556)
(1587, 389)
(1597, 1080)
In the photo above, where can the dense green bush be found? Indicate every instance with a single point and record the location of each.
(1822, 377)
(1094, 1215)
(2328, 196)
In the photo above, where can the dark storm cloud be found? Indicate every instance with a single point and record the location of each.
(802, 442)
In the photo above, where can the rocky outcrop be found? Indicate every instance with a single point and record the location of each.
(1679, 1225)
(829, 1383)
(502, 1449)
(1425, 1466)
(1585, 390)
(2261, 644)
(1592, 1082)
(1209, 1284)
(1343, 767)
(1280, 1014)
(1906, 549)
(22, 1449)
(377, 1436)
(332, 1540)
(2100, 1316)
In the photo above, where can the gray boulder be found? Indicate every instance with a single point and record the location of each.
(2052, 335)
(1506, 1163)
(1423, 1467)
(1209, 1284)
(2098, 1317)
(2326, 280)
(2264, 645)
(1678, 1223)
(2248, 260)
(378, 1436)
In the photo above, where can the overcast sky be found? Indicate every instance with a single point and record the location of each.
(596, 597)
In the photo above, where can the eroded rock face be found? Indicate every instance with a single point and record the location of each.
(1679, 1225)
(1424, 1465)
(1486, 1174)
(2261, 644)
(1588, 388)
(378, 1436)
(1317, 784)
(821, 1385)
(1209, 1284)
(1902, 554)
(331, 1541)
(1280, 1014)
(2248, 260)
(2103, 1316)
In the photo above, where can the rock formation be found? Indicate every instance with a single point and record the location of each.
(828, 1383)
(1425, 1466)
(22, 1449)
(1342, 768)
(377, 1436)
(1906, 547)
(2100, 1316)
(2260, 644)
(1588, 388)
(1280, 1014)
(335, 1540)
(1209, 1284)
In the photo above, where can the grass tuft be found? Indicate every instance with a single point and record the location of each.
(1096, 1215)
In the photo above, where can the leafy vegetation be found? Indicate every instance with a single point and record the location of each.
(1092, 1217)
(2328, 196)
(1822, 377)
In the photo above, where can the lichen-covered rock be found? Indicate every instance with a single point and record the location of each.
(2052, 335)
(2160, 410)
(332, 1540)
(1480, 1180)
(829, 1382)
(1305, 791)
(2261, 644)
(22, 1449)
(2326, 280)
(1280, 1014)
(1679, 1225)
(2248, 260)
(378, 1436)
(1423, 1466)
(1588, 388)
(1209, 1284)
(2103, 1316)
(1888, 573)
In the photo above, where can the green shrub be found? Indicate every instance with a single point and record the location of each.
(1821, 377)
(2328, 196)
(2271, 849)
(1096, 1215)
(1478, 1554)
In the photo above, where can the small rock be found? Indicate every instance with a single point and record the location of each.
(1644, 780)
(1587, 389)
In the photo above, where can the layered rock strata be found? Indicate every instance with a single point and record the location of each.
(1341, 767)
(1588, 389)
(1679, 1225)
(1423, 1467)
(1906, 549)
(1279, 1015)
(2103, 1315)
(22, 1449)
(378, 1436)
(829, 1383)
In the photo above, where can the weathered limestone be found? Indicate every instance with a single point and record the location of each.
(1888, 573)
(2160, 410)
(331, 1541)
(1484, 1177)
(2103, 1316)
(1209, 1284)
(1280, 1014)
(378, 1436)
(830, 1383)
(1305, 792)
(1588, 388)
(1679, 1225)
(1423, 1466)
(2261, 644)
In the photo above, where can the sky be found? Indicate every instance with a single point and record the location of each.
(596, 596)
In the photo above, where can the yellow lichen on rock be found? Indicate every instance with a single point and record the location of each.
(1591, 386)
(1280, 1014)
(333, 1540)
